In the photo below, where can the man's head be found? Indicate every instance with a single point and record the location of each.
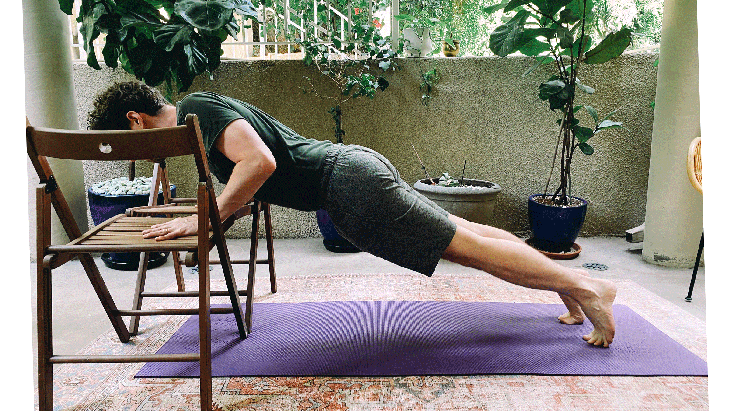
(131, 106)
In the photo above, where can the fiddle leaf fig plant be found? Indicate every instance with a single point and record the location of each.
(555, 32)
(173, 47)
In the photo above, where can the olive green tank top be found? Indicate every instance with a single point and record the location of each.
(296, 183)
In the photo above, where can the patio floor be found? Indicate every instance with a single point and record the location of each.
(79, 319)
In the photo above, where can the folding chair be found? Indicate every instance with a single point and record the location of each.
(160, 180)
(122, 233)
(694, 172)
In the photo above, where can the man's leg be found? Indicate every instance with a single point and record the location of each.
(574, 314)
(520, 264)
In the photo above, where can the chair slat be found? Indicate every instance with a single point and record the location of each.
(112, 145)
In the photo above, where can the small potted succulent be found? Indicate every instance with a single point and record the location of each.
(557, 32)
(111, 197)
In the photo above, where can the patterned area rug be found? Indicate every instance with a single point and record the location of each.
(113, 387)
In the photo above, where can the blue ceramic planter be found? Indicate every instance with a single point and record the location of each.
(333, 241)
(555, 229)
(105, 206)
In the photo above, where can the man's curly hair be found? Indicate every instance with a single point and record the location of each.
(111, 107)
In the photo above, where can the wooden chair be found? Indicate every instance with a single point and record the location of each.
(160, 180)
(694, 172)
(122, 233)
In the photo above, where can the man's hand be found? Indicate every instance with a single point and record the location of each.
(178, 227)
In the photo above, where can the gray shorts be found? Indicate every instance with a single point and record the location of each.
(378, 212)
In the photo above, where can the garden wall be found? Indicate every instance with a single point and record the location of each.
(484, 111)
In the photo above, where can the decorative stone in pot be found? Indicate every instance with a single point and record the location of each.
(555, 228)
(474, 200)
(112, 197)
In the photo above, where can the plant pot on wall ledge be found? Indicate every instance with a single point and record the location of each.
(474, 200)
(450, 51)
(555, 228)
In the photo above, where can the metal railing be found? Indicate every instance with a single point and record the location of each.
(275, 33)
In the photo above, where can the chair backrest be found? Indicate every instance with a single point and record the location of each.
(694, 164)
(151, 144)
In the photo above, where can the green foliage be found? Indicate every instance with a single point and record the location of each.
(429, 80)
(555, 31)
(355, 68)
(154, 48)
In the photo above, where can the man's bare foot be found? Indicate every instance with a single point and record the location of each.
(597, 304)
(574, 315)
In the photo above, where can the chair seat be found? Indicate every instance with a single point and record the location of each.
(122, 233)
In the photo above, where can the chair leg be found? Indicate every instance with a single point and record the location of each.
(270, 246)
(45, 342)
(44, 303)
(688, 298)
(206, 364)
(138, 290)
(252, 265)
(178, 271)
(205, 361)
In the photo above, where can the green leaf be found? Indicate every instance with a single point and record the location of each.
(586, 148)
(609, 115)
(576, 8)
(205, 14)
(592, 111)
(550, 7)
(534, 47)
(337, 43)
(587, 89)
(513, 4)
(606, 124)
(382, 83)
(110, 52)
(582, 133)
(245, 9)
(170, 35)
(66, 6)
(90, 31)
(505, 39)
(611, 47)
(550, 88)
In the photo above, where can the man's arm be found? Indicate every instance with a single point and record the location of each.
(254, 164)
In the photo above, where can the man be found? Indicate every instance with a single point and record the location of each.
(254, 155)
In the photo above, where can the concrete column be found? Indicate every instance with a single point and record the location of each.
(673, 207)
(50, 102)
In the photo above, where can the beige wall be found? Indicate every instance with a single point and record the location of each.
(483, 111)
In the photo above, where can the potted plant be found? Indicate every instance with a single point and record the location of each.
(450, 44)
(355, 68)
(419, 23)
(557, 32)
(111, 197)
(470, 199)
(155, 48)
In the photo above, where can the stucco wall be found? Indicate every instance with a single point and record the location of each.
(483, 112)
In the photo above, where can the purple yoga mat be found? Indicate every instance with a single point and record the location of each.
(382, 338)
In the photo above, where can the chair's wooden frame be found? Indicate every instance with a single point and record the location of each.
(129, 145)
(160, 180)
(694, 172)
